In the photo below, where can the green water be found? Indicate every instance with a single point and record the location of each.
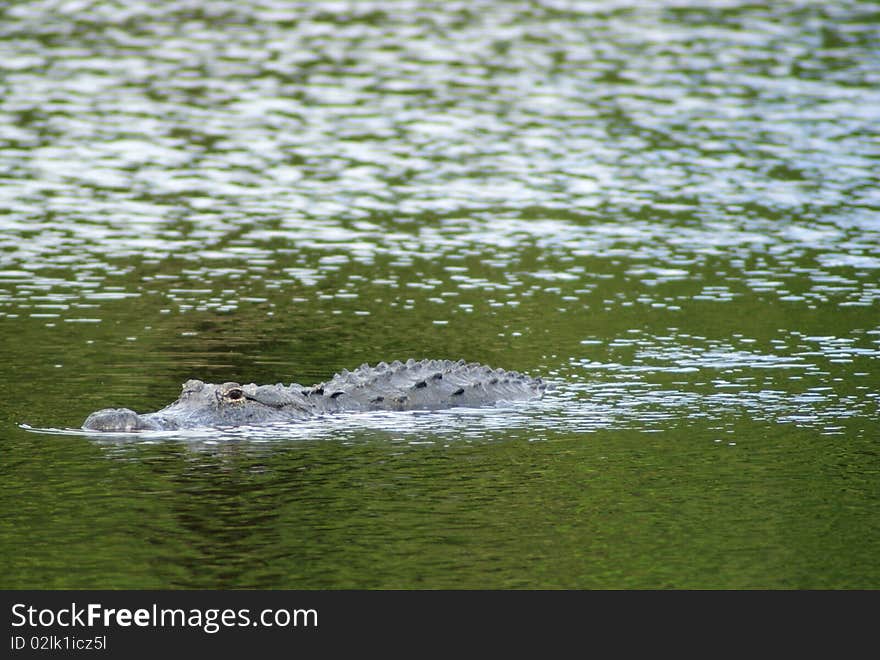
(668, 210)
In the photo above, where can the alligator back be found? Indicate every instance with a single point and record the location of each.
(422, 384)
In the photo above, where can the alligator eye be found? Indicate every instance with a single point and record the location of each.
(234, 394)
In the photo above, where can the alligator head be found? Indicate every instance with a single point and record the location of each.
(205, 404)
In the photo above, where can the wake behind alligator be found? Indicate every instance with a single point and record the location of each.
(411, 385)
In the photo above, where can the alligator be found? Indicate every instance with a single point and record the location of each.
(410, 385)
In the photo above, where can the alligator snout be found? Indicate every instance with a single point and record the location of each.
(116, 419)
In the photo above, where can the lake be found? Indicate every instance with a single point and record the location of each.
(669, 210)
